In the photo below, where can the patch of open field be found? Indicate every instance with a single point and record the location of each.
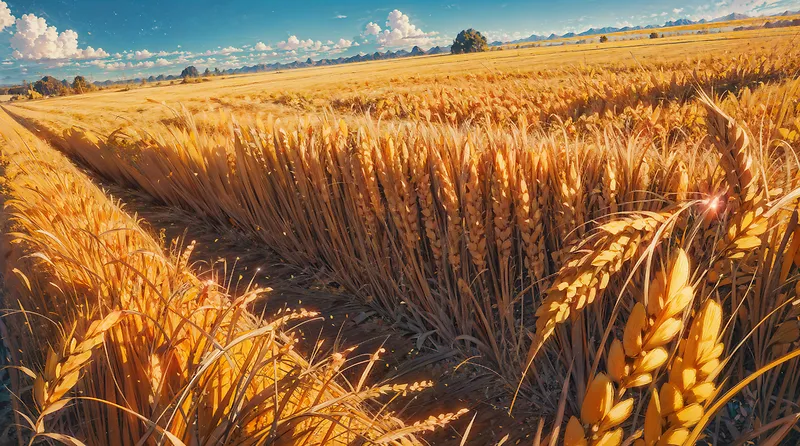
(270, 93)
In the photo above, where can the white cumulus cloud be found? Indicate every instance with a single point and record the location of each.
(294, 44)
(399, 32)
(143, 54)
(677, 10)
(230, 50)
(373, 29)
(205, 62)
(261, 46)
(291, 44)
(35, 40)
(6, 19)
(343, 43)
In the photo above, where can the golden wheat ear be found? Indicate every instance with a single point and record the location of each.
(584, 277)
(63, 369)
(682, 401)
(733, 145)
(633, 362)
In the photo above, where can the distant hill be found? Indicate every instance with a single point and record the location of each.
(681, 22)
(731, 17)
(611, 29)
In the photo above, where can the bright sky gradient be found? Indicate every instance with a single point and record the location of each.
(123, 39)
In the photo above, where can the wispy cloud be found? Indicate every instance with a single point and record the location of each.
(504, 36)
(751, 7)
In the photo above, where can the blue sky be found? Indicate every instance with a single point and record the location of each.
(104, 39)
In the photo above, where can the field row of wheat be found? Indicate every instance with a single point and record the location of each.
(621, 93)
(583, 92)
(107, 327)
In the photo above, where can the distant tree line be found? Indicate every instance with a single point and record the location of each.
(769, 25)
(16, 90)
(50, 86)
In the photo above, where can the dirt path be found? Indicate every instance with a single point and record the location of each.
(221, 252)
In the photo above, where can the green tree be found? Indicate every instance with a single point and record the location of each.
(207, 73)
(190, 71)
(469, 41)
(654, 35)
(603, 39)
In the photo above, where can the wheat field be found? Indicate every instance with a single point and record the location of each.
(606, 238)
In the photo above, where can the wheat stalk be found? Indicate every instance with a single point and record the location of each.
(590, 269)
(474, 218)
(450, 201)
(63, 369)
(610, 188)
(732, 143)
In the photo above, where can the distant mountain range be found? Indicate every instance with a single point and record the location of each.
(417, 51)
(611, 29)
